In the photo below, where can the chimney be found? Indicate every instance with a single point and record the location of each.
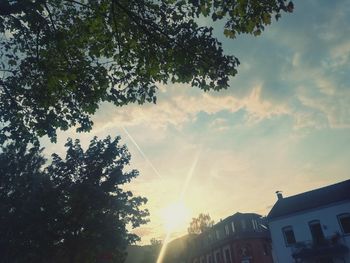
(279, 195)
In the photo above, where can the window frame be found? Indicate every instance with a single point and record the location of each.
(217, 234)
(227, 230)
(233, 227)
(209, 258)
(266, 249)
(255, 224)
(290, 228)
(229, 259)
(316, 239)
(244, 224)
(342, 215)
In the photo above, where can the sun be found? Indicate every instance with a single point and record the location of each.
(175, 216)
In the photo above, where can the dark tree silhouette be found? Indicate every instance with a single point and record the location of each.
(151, 252)
(61, 58)
(200, 224)
(155, 242)
(70, 210)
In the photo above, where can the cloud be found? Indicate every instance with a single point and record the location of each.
(336, 109)
(219, 124)
(178, 110)
(340, 54)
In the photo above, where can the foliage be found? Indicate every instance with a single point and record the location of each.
(200, 224)
(151, 252)
(70, 210)
(155, 242)
(61, 58)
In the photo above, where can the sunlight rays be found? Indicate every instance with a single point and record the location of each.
(181, 198)
(177, 213)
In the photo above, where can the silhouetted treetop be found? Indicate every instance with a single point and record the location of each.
(73, 209)
(200, 224)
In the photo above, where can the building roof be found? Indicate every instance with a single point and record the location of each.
(312, 199)
(238, 216)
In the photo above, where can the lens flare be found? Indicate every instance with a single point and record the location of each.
(175, 216)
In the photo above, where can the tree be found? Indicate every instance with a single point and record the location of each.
(200, 224)
(28, 206)
(61, 58)
(155, 242)
(70, 210)
(151, 252)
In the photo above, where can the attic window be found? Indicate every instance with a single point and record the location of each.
(244, 226)
(288, 234)
(255, 224)
(344, 222)
(217, 234)
(227, 231)
(233, 226)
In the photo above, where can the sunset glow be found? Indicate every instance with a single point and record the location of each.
(175, 216)
(283, 124)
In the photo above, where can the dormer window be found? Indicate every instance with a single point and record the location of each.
(255, 224)
(217, 232)
(233, 226)
(210, 238)
(244, 225)
(227, 230)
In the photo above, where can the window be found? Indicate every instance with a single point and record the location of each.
(325, 260)
(233, 226)
(255, 224)
(344, 222)
(217, 234)
(210, 239)
(316, 231)
(217, 257)
(243, 224)
(266, 249)
(288, 234)
(227, 256)
(227, 230)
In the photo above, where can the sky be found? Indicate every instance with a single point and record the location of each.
(284, 123)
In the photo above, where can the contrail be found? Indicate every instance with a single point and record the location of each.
(142, 153)
(182, 194)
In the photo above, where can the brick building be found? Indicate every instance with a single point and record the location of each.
(240, 238)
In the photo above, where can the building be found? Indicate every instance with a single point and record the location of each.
(312, 227)
(240, 238)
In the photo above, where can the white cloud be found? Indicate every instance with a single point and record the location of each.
(178, 110)
(335, 108)
(340, 54)
(220, 124)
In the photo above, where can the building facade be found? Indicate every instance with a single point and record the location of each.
(312, 227)
(240, 238)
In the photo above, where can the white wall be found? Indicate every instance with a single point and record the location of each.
(299, 222)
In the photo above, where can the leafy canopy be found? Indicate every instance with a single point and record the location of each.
(200, 224)
(73, 209)
(61, 58)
